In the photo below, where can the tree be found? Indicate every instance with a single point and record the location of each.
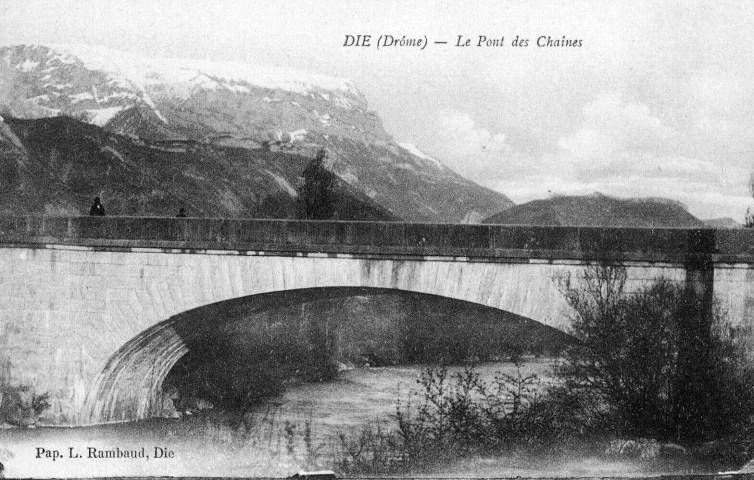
(624, 368)
(749, 219)
(317, 192)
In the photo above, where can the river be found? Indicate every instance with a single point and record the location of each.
(297, 430)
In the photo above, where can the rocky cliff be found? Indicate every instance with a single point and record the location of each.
(58, 165)
(209, 105)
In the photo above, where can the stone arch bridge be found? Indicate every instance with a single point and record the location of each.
(91, 307)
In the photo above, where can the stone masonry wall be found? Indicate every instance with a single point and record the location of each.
(65, 310)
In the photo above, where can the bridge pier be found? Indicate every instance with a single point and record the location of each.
(696, 382)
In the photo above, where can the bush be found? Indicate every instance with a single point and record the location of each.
(624, 371)
(462, 413)
(373, 450)
(20, 406)
(457, 415)
(617, 393)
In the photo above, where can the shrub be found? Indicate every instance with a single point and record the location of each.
(374, 449)
(646, 449)
(20, 406)
(456, 415)
(617, 392)
(624, 371)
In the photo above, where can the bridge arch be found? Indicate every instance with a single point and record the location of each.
(393, 325)
(69, 309)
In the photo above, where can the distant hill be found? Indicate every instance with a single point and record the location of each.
(58, 165)
(725, 222)
(598, 210)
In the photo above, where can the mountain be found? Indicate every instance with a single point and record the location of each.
(724, 222)
(58, 165)
(209, 105)
(598, 210)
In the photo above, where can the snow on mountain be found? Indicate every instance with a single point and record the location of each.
(101, 116)
(414, 150)
(283, 183)
(142, 71)
(287, 137)
(27, 66)
(89, 82)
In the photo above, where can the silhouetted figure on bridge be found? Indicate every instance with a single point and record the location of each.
(181, 213)
(97, 208)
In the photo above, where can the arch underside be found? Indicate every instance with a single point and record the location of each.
(130, 387)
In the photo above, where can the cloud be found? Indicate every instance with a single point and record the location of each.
(611, 127)
(623, 148)
(626, 140)
(614, 144)
(720, 92)
(721, 104)
(648, 166)
(466, 147)
(461, 138)
(588, 143)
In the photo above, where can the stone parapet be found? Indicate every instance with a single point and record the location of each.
(671, 245)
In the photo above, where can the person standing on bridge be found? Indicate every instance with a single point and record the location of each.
(97, 208)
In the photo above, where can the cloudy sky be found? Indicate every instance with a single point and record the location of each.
(658, 101)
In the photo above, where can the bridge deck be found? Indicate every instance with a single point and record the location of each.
(493, 242)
